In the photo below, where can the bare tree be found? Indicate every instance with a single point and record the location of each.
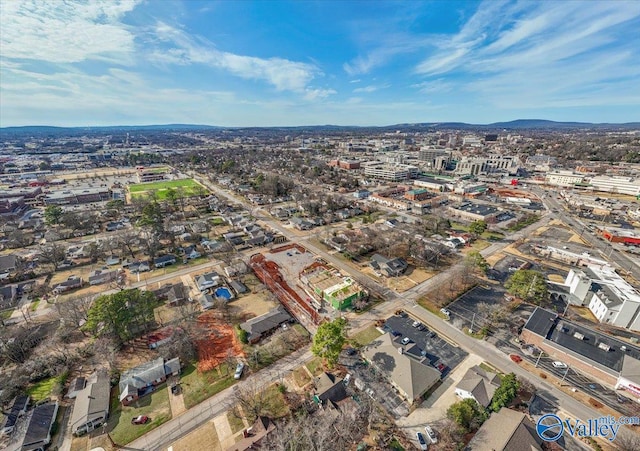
(250, 401)
(52, 254)
(73, 312)
(627, 440)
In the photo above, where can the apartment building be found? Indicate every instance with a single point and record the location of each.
(392, 172)
(563, 178)
(487, 165)
(616, 184)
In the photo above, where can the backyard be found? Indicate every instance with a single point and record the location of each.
(365, 336)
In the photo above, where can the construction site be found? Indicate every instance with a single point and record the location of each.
(219, 343)
(295, 300)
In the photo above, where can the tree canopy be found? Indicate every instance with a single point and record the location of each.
(529, 285)
(122, 315)
(329, 340)
(52, 214)
(476, 260)
(506, 392)
(468, 414)
(478, 227)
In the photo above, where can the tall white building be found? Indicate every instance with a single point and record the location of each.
(487, 165)
(392, 172)
(609, 297)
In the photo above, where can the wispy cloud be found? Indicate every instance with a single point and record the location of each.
(439, 85)
(372, 88)
(66, 32)
(184, 49)
(536, 55)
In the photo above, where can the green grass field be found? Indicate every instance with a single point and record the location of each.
(189, 186)
(42, 389)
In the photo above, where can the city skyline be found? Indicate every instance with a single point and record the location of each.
(313, 63)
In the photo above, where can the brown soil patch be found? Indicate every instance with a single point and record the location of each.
(221, 342)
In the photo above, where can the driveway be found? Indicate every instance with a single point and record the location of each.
(434, 409)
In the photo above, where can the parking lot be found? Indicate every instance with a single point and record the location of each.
(436, 349)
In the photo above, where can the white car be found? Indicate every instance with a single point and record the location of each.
(558, 364)
(444, 311)
(347, 379)
(239, 370)
(431, 434)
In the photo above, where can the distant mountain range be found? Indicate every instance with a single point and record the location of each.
(519, 124)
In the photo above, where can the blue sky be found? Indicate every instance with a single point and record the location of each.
(263, 63)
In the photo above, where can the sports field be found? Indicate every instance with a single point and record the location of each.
(189, 186)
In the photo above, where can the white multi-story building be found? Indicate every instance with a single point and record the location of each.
(563, 178)
(392, 172)
(609, 297)
(487, 165)
(616, 184)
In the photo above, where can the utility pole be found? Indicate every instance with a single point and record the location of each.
(539, 357)
(473, 320)
(565, 374)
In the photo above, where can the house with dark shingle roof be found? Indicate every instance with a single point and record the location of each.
(260, 325)
(38, 434)
(143, 379)
(478, 385)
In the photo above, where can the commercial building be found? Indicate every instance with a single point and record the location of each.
(151, 174)
(610, 298)
(431, 184)
(393, 172)
(345, 164)
(563, 178)
(617, 235)
(611, 361)
(77, 196)
(417, 194)
(616, 184)
(487, 165)
(474, 212)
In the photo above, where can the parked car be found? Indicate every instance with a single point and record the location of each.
(347, 379)
(445, 312)
(421, 441)
(395, 333)
(405, 341)
(558, 364)
(516, 358)
(142, 419)
(415, 324)
(239, 370)
(441, 367)
(175, 388)
(431, 434)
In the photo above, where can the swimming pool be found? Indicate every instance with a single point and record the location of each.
(223, 292)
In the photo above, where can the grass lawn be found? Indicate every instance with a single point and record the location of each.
(365, 336)
(200, 386)
(42, 389)
(276, 405)
(395, 445)
(236, 423)
(301, 376)
(6, 314)
(315, 366)
(217, 221)
(34, 305)
(487, 368)
(189, 186)
(155, 406)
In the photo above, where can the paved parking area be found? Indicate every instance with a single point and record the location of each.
(436, 349)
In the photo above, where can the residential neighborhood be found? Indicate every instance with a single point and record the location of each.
(434, 287)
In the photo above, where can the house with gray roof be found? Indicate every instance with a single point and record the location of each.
(410, 376)
(38, 434)
(143, 379)
(506, 430)
(328, 388)
(478, 385)
(391, 267)
(91, 408)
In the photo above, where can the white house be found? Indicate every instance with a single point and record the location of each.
(208, 280)
(478, 385)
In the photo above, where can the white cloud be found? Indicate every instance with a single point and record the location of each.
(282, 73)
(65, 32)
(439, 85)
(318, 94)
(371, 88)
